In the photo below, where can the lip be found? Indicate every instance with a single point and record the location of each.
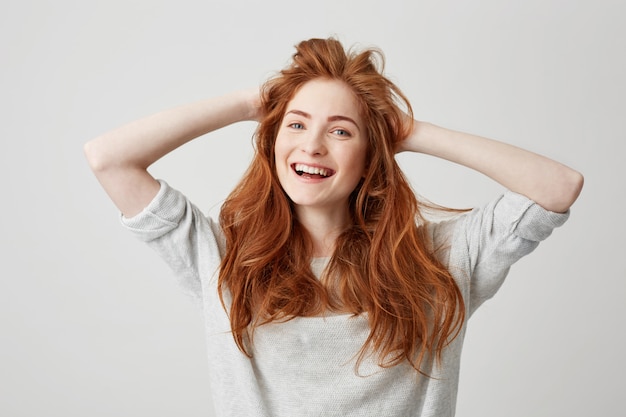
(307, 178)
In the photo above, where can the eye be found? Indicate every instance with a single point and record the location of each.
(296, 125)
(342, 133)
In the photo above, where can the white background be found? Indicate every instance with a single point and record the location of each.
(91, 321)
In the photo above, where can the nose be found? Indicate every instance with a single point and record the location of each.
(313, 143)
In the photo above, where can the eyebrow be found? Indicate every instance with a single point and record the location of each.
(330, 118)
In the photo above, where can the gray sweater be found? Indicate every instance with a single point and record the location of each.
(306, 366)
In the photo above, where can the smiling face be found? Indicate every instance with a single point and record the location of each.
(321, 147)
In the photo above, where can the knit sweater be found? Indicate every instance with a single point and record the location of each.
(306, 366)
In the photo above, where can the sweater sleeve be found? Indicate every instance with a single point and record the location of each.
(487, 241)
(186, 240)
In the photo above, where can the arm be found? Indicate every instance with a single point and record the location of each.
(550, 184)
(120, 158)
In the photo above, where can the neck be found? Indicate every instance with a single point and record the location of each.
(323, 226)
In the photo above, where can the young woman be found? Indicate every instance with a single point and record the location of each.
(324, 289)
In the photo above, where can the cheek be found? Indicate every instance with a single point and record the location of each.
(280, 145)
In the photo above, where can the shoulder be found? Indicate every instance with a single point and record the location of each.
(509, 224)
(171, 213)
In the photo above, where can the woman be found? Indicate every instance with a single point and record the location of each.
(324, 290)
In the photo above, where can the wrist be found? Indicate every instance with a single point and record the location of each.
(417, 137)
(251, 105)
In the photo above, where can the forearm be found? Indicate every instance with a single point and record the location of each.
(551, 184)
(142, 142)
(120, 158)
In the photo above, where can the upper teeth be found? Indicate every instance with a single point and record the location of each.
(312, 170)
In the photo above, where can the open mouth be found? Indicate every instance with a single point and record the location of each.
(312, 172)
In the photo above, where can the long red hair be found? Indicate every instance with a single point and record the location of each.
(383, 264)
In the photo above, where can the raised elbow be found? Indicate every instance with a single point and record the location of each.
(571, 184)
(576, 182)
(101, 157)
(93, 155)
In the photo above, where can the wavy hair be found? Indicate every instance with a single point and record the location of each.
(383, 264)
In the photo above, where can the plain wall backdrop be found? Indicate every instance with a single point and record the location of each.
(92, 323)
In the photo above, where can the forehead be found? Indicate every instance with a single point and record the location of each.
(326, 98)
